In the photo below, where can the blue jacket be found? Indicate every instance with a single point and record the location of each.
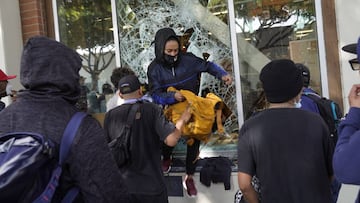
(307, 103)
(185, 74)
(346, 160)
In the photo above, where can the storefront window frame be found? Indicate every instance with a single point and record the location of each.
(235, 55)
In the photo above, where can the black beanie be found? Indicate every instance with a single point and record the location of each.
(281, 80)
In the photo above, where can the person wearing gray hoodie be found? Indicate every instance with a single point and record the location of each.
(49, 73)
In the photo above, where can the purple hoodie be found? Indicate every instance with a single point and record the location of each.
(346, 160)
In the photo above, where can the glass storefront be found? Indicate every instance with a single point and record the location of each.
(86, 26)
(264, 30)
(202, 33)
(268, 30)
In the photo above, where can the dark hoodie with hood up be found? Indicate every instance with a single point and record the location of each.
(184, 74)
(50, 74)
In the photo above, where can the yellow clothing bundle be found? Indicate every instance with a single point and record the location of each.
(204, 111)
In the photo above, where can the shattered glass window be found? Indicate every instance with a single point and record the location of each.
(204, 33)
(264, 30)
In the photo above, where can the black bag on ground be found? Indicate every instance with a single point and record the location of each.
(329, 111)
(121, 145)
(29, 169)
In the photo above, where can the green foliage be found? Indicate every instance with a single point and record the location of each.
(85, 23)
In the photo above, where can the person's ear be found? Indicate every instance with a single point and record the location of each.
(120, 95)
(298, 97)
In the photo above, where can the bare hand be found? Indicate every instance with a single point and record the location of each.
(227, 79)
(13, 95)
(354, 96)
(179, 97)
(186, 115)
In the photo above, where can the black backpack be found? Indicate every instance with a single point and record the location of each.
(329, 111)
(28, 163)
(121, 145)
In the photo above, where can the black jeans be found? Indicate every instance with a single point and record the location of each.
(192, 153)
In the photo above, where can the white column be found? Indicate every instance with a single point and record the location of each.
(348, 29)
(11, 43)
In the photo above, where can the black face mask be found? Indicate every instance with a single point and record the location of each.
(170, 60)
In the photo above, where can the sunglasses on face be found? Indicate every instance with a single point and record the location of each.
(354, 63)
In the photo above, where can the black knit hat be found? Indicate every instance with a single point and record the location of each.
(281, 80)
(129, 84)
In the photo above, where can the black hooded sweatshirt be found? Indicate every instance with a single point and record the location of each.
(50, 74)
(184, 74)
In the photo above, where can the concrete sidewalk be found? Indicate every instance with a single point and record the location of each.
(348, 193)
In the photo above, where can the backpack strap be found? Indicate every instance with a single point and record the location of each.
(131, 117)
(333, 110)
(312, 95)
(69, 135)
(316, 97)
(66, 141)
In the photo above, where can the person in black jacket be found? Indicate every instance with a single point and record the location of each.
(143, 174)
(173, 68)
(292, 144)
(49, 73)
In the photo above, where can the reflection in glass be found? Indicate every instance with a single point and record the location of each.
(85, 26)
(268, 30)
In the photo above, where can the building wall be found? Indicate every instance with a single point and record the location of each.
(33, 19)
(19, 20)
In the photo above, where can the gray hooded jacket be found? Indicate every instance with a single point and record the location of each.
(50, 74)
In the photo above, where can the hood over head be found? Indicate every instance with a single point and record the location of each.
(161, 37)
(49, 67)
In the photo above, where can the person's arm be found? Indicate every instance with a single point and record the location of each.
(172, 139)
(227, 79)
(218, 72)
(346, 160)
(210, 67)
(158, 92)
(246, 165)
(244, 181)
